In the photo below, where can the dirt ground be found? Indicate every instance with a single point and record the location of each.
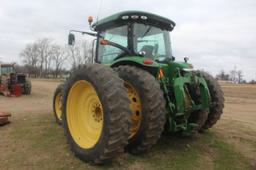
(34, 141)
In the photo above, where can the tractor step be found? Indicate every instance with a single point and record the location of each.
(187, 129)
(192, 126)
(179, 114)
(191, 129)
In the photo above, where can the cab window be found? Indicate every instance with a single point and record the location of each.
(107, 53)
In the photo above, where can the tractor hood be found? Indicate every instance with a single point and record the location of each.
(169, 67)
(143, 62)
(131, 17)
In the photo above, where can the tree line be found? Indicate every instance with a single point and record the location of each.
(44, 58)
(235, 76)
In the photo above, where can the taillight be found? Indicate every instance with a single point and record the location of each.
(148, 61)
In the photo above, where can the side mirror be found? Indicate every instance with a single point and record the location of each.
(186, 59)
(71, 39)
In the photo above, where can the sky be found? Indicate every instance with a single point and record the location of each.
(215, 34)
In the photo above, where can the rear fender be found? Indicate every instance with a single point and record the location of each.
(137, 62)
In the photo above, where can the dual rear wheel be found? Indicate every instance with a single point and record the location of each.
(106, 111)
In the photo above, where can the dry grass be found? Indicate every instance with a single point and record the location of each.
(34, 141)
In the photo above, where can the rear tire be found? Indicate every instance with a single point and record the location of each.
(199, 117)
(95, 83)
(217, 100)
(57, 104)
(152, 108)
(27, 87)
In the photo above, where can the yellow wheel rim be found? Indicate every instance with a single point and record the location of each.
(84, 114)
(58, 105)
(135, 107)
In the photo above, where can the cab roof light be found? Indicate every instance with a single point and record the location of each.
(144, 17)
(134, 16)
(125, 17)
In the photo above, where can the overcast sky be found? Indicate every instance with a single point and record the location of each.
(214, 34)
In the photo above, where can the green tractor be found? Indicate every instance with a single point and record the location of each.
(134, 90)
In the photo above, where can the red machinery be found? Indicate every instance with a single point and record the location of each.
(11, 83)
(4, 118)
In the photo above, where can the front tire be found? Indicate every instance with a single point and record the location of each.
(95, 113)
(147, 106)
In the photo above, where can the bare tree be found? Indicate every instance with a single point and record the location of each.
(44, 57)
(233, 76)
(236, 75)
(240, 76)
(87, 51)
(59, 56)
(30, 57)
(74, 53)
(80, 53)
(222, 75)
(252, 81)
(37, 58)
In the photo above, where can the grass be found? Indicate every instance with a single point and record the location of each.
(228, 158)
(38, 143)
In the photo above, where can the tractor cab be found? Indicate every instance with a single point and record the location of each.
(7, 73)
(6, 69)
(139, 34)
(132, 33)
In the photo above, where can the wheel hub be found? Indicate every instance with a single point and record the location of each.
(97, 113)
(135, 107)
(84, 114)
